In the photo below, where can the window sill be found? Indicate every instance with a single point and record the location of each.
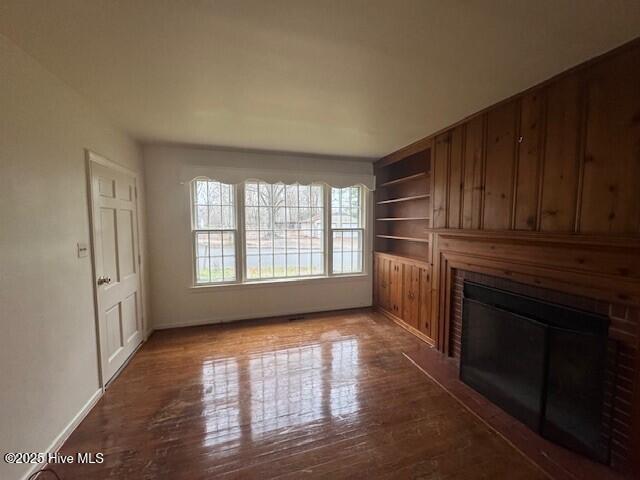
(281, 282)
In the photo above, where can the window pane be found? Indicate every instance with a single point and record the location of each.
(251, 194)
(317, 241)
(266, 242)
(253, 266)
(214, 205)
(278, 195)
(284, 224)
(317, 260)
(264, 214)
(264, 194)
(348, 235)
(316, 196)
(304, 195)
(266, 265)
(292, 195)
(252, 242)
(202, 244)
(215, 244)
(251, 218)
(201, 192)
(214, 193)
(347, 251)
(216, 269)
(228, 243)
(279, 265)
(215, 248)
(215, 217)
(346, 208)
(229, 264)
(305, 264)
(202, 270)
(202, 216)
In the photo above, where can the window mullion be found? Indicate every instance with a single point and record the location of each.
(328, 231)
(240, 234)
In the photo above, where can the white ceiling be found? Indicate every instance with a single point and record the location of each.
(343, 77)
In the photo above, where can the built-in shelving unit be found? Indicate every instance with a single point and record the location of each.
(403, 199)
(400, 219)
(410, 239)
(403, 206)
(408, 178)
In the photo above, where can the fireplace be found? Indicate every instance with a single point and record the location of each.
(542, 362)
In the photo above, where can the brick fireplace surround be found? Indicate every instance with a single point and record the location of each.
(623, 328)
(595, 274)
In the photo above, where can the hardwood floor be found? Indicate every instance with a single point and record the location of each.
(329, 396)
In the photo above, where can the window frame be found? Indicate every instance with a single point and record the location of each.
(238, 194)
(195, 231)
(362, 228)
(274, 279)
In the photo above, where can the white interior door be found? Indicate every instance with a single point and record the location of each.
(116, 265)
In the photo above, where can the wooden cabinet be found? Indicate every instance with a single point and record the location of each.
(411, 295)
(395, 287)
(402, 288)
(424, 313)
(381, 287)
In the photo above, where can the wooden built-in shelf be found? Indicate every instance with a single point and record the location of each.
(403, 199)
(410, 239)
(400, 219)
(408, 178)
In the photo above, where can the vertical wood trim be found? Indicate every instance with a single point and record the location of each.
(635, 419)
(542, 154)
(431, 180)
(515, 167)
(448, 179)
(463, 173)
(582, 145)
(483, 169)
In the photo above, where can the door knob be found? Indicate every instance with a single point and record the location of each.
(104, 280)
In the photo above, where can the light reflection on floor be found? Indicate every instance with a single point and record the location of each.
(286, 388)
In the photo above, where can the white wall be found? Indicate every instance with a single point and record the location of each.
(173, 301)
(48, 354)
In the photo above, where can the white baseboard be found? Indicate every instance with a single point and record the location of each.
(237, 318)
(66, 431)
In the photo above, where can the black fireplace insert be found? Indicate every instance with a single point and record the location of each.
(543, 363)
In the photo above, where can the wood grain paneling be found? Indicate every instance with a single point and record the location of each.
(528, 177)
(411, 295)
(440, 179)
(473, 173)
(425, 302)
(561, 155)
(499, 168)
(455, 177)
(395, 287)
(559, 208)
(610, 199)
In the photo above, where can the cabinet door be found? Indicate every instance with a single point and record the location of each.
(383, 283)
(424, 323)
(395, 288)
(411, 295)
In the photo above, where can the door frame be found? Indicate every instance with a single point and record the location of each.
(92, 157)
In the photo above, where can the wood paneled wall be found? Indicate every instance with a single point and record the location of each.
(544, 188)
(562, 157)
